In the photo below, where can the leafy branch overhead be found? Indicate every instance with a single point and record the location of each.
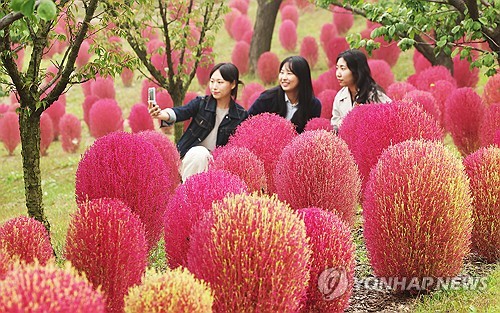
(439, 30)
(44, 9)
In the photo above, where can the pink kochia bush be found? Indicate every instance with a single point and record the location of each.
(383, 125)
(239, 56)
(253, 251)
(248, 91)
(71, 132)
(417, 214)
(397, 90)
(27, 239)
(303, 180)
(428, 77)
(463, 74)
(381, 72)
(333, 253)
(483, 169)
(265, 135)
(343, 19)
(441, 90)
(9, 131)
(106, 241)
(243, 163)
(326, 98)
(288, 35)
(172, 291)
(105, 117)
(37, 288)
(426, 100)
(104, 88)
(56, 111)
(318, 123)
(46, 133)
(139, 118)
(463, 113)
(309, 50)
(268, 67)
(490, 125)
(290, 12)
(128, 168)
(187, 206)
(491, 92)
(86, 106)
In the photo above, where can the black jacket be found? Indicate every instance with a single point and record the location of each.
(202, 110)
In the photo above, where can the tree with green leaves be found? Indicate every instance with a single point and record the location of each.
(30, 25)
(186, 29)
(439, 29)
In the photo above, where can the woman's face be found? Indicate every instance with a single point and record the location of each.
(344, 74)
(288, 81)
(219, 87)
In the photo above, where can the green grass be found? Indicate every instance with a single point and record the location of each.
(59, 168)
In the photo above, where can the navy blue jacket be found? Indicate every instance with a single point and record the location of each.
(202, 110)
(268, 101)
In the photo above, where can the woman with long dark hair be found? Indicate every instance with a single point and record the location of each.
(358, 85)
(293, 98)
(215, 118)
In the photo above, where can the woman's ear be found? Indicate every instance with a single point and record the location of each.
(233, 85)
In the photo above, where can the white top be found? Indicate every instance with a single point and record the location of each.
(342, 104)
(291, 108)
(211, 139)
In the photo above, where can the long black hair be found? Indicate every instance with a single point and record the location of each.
(230, 73)
(358, 65)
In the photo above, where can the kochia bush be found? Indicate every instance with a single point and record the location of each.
(139, 118)
(248, 91)
(397, 90)
(343, 19)
(56, 111)
(426, 100)
(9, 131)
(318, 123)
(290, 12)
(104, 88)
(326, 98)
(483, 169)
(240, 26)
(428, 77)
(46, 133)
(417, 213)
(187, 206)
(105, 116)
(303, 180)
(490, 125)
(288, 35)
(240, 55)
(258, 244)
(491, 91)
(309, 50)
(463, 74)
(268, 67)
(106, 241)
(381, 72)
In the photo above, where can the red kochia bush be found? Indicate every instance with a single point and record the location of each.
(483, 169)
(248, 91)
(383, 125)
(26, 238)
(326, 98)
(491, 91)
(397, 90)
(490, 125)
(318, 123)
(303, 180)
(463, 74)
(290, 12)
(240, 5)
(309, 50)
(106, 241)
(229, 20)
(205, 66)
(343, 19)
(426, 100)
(242, 163)
(333, 253)
(71, 132)
(56, 111)
(46, 133)
(441, 90)
(49, 288)
(239, 56)
(139, 118)
(127, 77)
(334, 47)
(381, 72)
(105, 116)
(288, 35)
(187, 206)
(328, 31)
(9, 131)
(265, 135)
(417, 213)
(83, 54)
(104, 88)
(428, 77)
(240, 26)
(257, 244)
(388, 51)
(420, 63)
(268, 67)
(126, 167)
(86, 106)
(463, 113)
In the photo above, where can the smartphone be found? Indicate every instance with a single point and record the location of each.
(152, 94)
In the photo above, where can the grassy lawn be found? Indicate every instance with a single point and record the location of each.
(59, 168)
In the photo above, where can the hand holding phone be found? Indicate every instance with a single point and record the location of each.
(152, 96)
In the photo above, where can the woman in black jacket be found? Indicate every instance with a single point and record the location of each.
(294, 98)
(215, 118)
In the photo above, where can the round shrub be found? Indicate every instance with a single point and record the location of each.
(428, 77)
(105, 116)
(83, 54)
(249, 90)
(303, 180)
(441, 90)
(9, 131)
(106, 241)
(6, 263)
(27, 239)
(187, 206)
(334, 47)
(205, 66)
(242, 163)
(258, 244)
(86, 88)
(463, 113)
(490, 125)
(290, 12)
(309, 50)
(268, 67)
(383, 125)
(420, 63)
(483, 169)
(139, 118)
(491, 91)
(332, 248)
(388, 51)
(240, 5)
(38, 288)
(397, 90)
(56, 110)
(104, 88)
(327, 80)
(426, 100)
(381, 72)
(159, 61)
(343, 19)
(86, 106)
(164, 99)
(172, 291)
(126, 167)
(463, 74)
(239, 56)
(288, 35)
(46, 133)
(265, 135)
(247, 37)
(71, 132)
(229, 20)
(319, 123)
(328, 31)
(127, 77)
(326, 98)
(240, 25)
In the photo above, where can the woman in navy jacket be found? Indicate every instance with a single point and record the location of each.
(214, 119)
(294, 98)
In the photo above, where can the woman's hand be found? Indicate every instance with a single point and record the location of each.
(156, 112)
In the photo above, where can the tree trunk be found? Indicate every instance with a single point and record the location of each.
(265, 20)
(29, 125)
(178, 98)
